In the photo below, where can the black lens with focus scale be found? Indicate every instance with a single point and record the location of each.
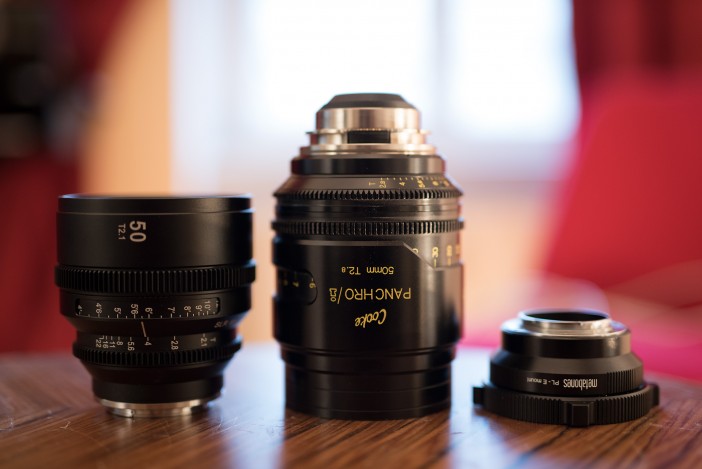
(367, 250)
(155, 287)
(567, 367)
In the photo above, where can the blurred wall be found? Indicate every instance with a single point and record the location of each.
(127, 145)
(128, 141)
(52, 54)
(130, 146)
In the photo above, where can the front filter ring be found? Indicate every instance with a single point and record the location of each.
(566, 367)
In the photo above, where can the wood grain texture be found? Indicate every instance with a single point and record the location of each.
(48, 418)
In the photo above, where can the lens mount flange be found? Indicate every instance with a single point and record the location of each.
(569, 367)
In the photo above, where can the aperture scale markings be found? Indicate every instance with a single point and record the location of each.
(136, 344)
(181, 309)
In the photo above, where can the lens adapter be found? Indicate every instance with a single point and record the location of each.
(367, 249)
(572, 367)
(155, 287)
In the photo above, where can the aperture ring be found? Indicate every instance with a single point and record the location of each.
(370, 194)
(366, 228)
(155, 359)
(140, 282)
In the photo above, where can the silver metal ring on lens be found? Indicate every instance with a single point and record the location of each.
(169, 409)
(335, 126)
(560, 322)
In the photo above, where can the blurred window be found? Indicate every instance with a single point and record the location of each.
(494, 79)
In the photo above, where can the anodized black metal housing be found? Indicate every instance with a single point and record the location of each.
(367, 249)
(155, 287)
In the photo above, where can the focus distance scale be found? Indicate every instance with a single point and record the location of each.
(369, 272)
(567, 367)
(155, 287)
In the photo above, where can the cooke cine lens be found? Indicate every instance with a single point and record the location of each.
(571, 367)
(155, 287)
(367, 250)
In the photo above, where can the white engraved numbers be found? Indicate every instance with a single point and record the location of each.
(136, 232)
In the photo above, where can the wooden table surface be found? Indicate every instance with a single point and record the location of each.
(48, 419)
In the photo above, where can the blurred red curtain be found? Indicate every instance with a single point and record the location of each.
(30, 185)
(630, 218)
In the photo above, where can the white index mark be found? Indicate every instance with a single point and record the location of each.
(143, 328)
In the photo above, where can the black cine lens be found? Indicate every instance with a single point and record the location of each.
(369, 287)
(566, 367)
(155, 287)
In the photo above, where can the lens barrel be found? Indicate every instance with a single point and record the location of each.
(155, 287)
(369, 275)
(567, 367)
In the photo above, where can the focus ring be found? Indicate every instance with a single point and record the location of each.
(154, 359)
(365, 228)
(370, 194)
(139, 282)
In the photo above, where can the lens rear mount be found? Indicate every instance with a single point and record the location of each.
(368, 123)
(568, 367)
(170, 409)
